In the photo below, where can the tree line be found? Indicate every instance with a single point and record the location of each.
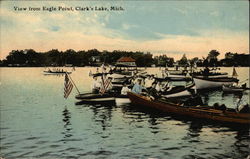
(94, 57)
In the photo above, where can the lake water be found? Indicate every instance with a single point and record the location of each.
(37, 122)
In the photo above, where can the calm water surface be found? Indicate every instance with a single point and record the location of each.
(37, 122)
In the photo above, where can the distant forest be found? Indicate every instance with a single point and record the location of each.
(54, 57)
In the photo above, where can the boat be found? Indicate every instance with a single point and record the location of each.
(212, 83)
(95, 98)
(180, 91)
(232, 89)
(55, 72)
(209, 73)
(201, 112)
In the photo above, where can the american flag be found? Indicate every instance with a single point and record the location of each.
(68, 86)
(105, 85)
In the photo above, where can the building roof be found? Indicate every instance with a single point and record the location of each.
(126, 59)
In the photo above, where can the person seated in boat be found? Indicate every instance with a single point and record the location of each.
(49, 70)
(97, 70)
(244, 85)
(96, 85)
(236, 84)
(222, 107)
(153, 93)
(137, 88)
(206, 71)
(241, 105)
(194, 101)
(243, 109)
(125, 89)
(134, 80)
(158, 86)
(167, 86)
(149, 82)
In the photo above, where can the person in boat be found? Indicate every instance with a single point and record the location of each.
(158, 86)
(153, 93)
(167, 86)
(241, 105)
(96, 85)
(149, 82)
(206, 71)
(137, 88)
(97, 70)
(220, 107)
(236, 84)
(125, 89)
(244, 85)
(194, 100)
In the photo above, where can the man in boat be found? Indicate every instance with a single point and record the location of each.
(206, 71)
(125, 89)
(153, 93)
(194, 100)
(96, 85)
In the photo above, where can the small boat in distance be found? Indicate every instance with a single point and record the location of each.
(55, 72)
(235, 89)
(202, 112)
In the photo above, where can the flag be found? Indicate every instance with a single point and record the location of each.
(105, 85)
(68, 86)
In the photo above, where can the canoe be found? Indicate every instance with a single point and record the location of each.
(95, 98)
(179, 91)
(202, 112)
(212, 83)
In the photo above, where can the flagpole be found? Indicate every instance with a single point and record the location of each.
(73, 82)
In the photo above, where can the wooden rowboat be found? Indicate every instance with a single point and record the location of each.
(202, 112)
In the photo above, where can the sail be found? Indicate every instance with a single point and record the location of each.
(234, 73)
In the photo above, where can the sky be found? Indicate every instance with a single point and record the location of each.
(160, 27)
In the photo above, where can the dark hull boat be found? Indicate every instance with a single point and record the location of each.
(102, 98)
(55, 72)
(232, 89)
(202, 112)
(94, 98)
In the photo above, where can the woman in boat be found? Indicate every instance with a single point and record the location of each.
(137, 88)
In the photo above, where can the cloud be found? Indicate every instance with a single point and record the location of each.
(41, 30)
(128, 26)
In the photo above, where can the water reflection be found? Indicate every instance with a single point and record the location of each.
(102, 113)
(67, 125)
